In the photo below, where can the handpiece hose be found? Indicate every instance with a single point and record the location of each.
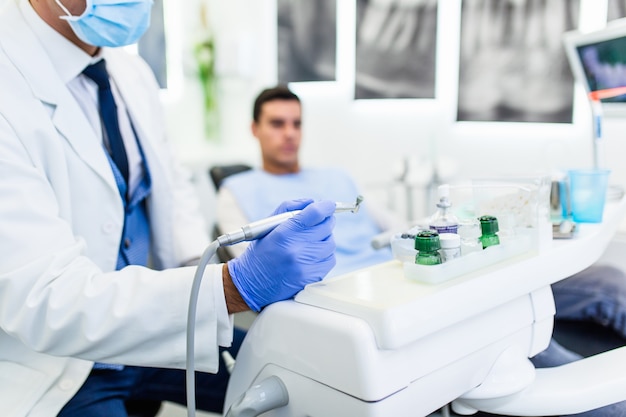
(251, 231)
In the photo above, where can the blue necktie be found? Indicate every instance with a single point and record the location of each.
(108, 112)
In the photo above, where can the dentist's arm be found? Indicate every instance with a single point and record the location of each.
(234, 301)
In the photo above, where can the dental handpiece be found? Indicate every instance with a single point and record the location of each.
(260, 228)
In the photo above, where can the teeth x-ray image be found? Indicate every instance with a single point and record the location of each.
(396, 49)
(512, 63)
(395, 45)
(307, 40)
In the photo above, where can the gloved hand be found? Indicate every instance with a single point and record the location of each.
(299, 251)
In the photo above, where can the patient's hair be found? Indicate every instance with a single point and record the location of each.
(280, 92)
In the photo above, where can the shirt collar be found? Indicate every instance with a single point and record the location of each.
(68, 59)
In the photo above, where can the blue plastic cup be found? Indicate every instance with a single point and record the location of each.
(587, 194)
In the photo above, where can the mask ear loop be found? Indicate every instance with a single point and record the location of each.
(67, 12)
(70, 16)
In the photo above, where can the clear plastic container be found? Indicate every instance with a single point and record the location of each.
(469, 232)
(403, 248)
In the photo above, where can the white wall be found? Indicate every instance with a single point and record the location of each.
(371, 138)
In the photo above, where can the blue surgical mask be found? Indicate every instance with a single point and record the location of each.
(110, 22)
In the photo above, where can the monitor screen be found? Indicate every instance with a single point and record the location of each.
(598, 61)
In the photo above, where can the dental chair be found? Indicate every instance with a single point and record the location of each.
(373, 343)
(218, 174)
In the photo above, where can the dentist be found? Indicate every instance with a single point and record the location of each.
(100, 227)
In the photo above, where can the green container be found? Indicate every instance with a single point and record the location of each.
(427, 244)
(489, 228)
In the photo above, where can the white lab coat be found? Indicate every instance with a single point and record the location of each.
(61, 220)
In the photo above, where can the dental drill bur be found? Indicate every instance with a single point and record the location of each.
(343, 207)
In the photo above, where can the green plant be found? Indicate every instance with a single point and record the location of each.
(204, 54)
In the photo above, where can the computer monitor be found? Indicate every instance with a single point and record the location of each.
(598, 62)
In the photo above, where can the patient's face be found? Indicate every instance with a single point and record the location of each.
(279, 135)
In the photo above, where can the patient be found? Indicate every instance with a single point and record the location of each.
(249, 196)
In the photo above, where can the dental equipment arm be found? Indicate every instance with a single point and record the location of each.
(251, 231)
(394, 347)
(572, 388)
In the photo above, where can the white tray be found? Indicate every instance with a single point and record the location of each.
(435, 274)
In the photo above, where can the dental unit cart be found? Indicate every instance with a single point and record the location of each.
(373, 343)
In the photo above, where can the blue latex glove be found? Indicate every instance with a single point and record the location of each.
(297, 252)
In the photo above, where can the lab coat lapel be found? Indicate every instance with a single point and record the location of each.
(66, 114)
(127, 82)
(69, 119)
